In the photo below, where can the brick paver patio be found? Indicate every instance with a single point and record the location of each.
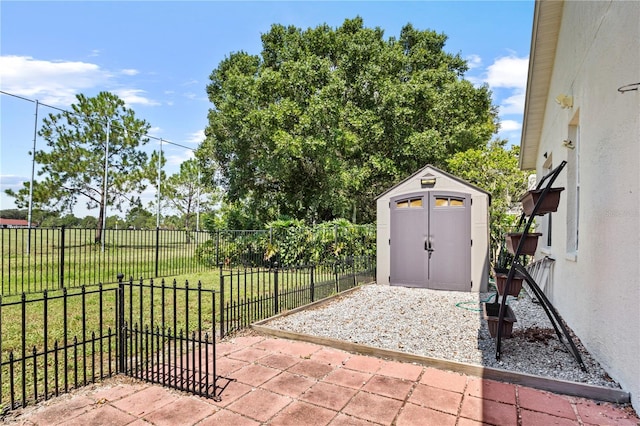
(283, 382)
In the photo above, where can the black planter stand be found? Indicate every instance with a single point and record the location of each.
(517, 267)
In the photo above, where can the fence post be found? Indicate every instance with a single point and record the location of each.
(335, 271)
(221, 303)
(157, 250)
(23, 344)
(61, 278)
(276, 308)
(312, 283)
(218, 248)
(353, 269)
(122, 340)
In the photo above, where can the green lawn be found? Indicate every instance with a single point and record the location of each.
(39, 259)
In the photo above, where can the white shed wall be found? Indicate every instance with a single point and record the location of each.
(479, 225)
(597, 288)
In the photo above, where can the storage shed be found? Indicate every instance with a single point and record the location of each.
(433, 232)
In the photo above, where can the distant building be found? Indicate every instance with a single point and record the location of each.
(14, 223)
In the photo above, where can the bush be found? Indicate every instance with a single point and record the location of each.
(289, 243)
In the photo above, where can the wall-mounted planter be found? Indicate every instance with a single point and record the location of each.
(529, 246)
(501, 282)
(548, 205)
(492, 315)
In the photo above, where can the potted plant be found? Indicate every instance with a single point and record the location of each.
(492, 315)
(530, 242)
(548, 205)
(501, 273)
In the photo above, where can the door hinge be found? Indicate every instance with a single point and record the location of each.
(389, 241)
(389, 278)
(471, 284)
(471, 242)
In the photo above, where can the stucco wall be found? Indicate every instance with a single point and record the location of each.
(479, 226)
(596, 289)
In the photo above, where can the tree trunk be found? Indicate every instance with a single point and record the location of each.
(98, 237)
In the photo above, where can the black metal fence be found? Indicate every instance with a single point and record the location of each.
(61, 340)
(38, 259)
(254, 294)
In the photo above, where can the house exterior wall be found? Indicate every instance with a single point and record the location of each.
(479, 225)
(596, 287)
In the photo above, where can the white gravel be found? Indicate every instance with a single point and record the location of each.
(446, 325)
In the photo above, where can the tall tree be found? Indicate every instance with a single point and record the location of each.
(73, 166)
(324, 120)
(139, 218)
(495, 169)
(185, 193)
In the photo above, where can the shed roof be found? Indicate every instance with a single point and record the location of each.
(449, 175)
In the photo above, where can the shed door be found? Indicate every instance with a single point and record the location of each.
(431, 240)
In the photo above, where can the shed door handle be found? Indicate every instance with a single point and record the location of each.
(427, 246)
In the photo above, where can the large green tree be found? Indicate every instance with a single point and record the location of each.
(324, 120)
(72, 166)
(495, 169)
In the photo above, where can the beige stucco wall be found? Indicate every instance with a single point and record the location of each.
(479, 225)
(597, 289)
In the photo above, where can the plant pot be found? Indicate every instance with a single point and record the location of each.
(501, 282)
(529, 246)
(492, 315)
(548, 205)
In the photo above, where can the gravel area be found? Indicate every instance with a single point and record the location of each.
(446, 325)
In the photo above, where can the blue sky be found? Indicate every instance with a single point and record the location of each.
(157, 56)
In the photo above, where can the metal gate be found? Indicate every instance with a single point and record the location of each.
(431, 240)
(167, 335)
(58, 341)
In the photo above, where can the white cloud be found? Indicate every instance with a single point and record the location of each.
(476, 81)
(473, 61)
(195, 137)
(513, 104)
(510, 130)
(135, 97)
(129, 72)
(12, 181)
(510, 126)
(177, 159)
(52, 82)
(508, 72)
(94, 53)
(58, 82)
(507, 77)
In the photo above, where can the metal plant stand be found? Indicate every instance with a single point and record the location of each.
(517, 265)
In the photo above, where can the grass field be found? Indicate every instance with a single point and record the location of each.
(48, 259)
